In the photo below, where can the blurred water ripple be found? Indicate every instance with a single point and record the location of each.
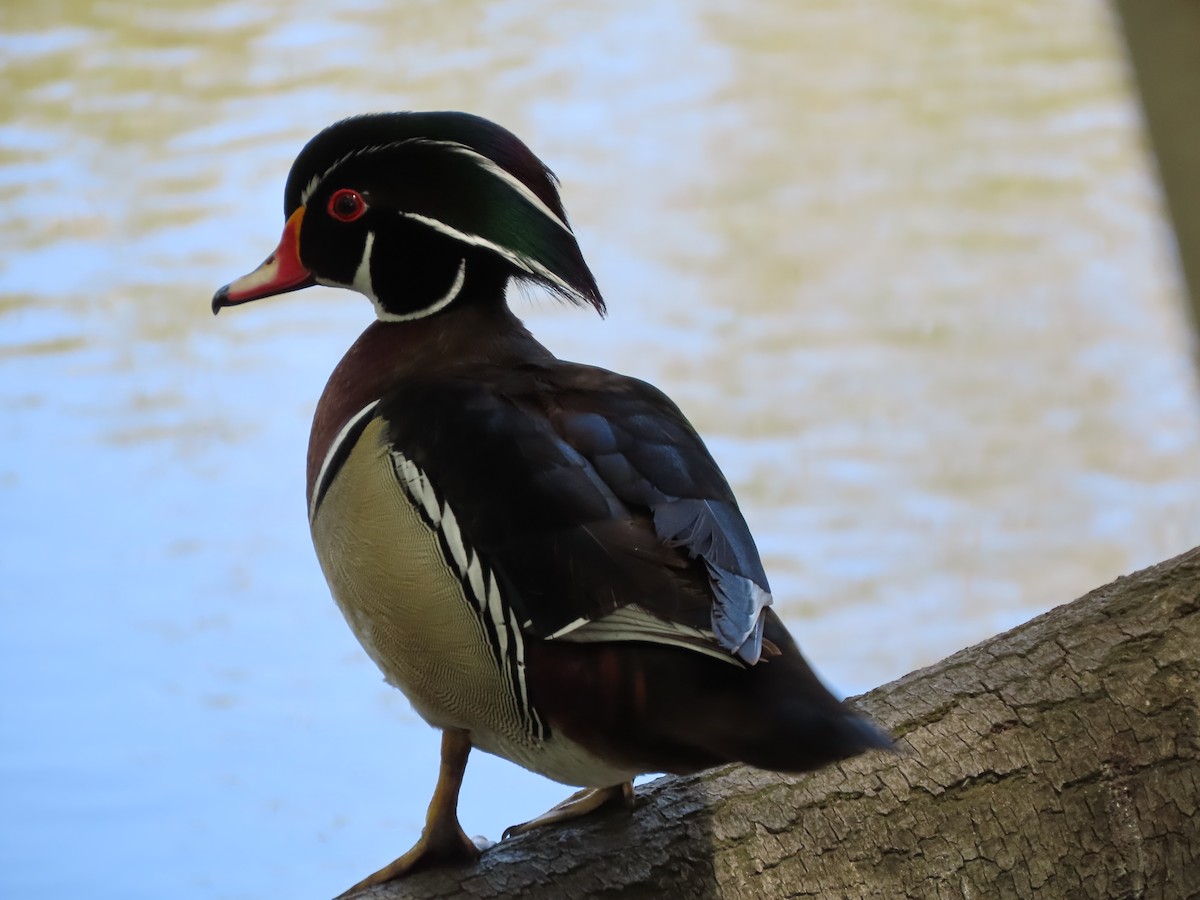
(905, 267)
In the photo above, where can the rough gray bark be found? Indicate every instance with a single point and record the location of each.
(1061, 758)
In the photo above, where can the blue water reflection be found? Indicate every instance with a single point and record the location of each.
(927, 325)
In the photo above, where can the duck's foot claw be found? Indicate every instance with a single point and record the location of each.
(578, 804)
(443, 842)
(447, 848)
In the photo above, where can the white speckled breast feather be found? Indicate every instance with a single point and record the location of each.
(429, 613)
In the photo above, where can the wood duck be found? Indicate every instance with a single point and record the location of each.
(542, 555)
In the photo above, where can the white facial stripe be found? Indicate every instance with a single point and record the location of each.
(316, 180)
(488, 165)
(362, 277)
(461, 276)
(311, 186)
(508, 178)
(319, 484)
(532, 266)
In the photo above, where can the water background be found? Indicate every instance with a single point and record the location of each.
(904, 266)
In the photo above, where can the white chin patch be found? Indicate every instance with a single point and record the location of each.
(363, 284)
(362, 275)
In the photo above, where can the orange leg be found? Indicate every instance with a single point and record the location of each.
(442, 841)
(578, 804)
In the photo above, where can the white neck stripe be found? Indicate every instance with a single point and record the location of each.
(385, 316)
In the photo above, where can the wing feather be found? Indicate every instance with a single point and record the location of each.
(589, 492)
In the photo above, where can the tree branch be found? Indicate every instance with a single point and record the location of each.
(1062, 756)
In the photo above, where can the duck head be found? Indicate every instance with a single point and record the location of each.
(419, 212)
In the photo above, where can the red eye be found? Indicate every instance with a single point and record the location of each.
(346, 205)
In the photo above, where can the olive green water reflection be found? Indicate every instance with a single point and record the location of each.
(905, 266)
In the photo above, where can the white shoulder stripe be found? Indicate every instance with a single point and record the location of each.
(454, 539)
(498, 624)
(319, 485)
(417, 484)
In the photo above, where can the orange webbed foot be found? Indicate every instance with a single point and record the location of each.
(581, 803)
(442, 842)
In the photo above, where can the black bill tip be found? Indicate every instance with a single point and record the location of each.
(220, 299)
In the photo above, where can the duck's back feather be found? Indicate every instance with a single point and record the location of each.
(586, 491)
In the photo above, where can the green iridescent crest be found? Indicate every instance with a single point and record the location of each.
(460, 175)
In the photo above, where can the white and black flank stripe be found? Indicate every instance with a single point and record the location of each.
(496, 618)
